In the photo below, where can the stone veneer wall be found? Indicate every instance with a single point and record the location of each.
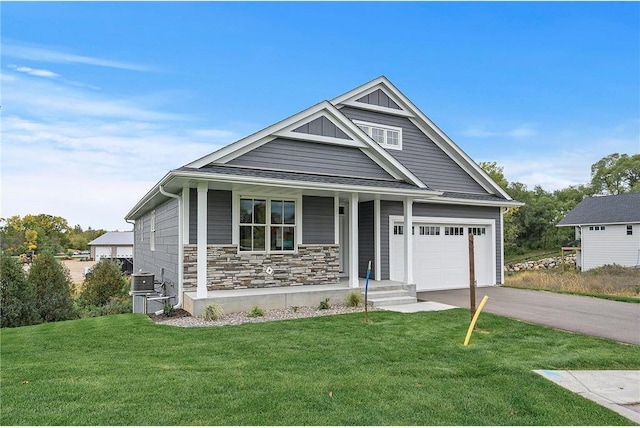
(226, 269)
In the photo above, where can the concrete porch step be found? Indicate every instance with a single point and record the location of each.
(388, 301)
(386, 293)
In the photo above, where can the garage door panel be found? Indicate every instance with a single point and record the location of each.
(442, 260)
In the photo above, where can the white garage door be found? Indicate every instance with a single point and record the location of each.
(103, 252)
(441, 254)
(124, 252)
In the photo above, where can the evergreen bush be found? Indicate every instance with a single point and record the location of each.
(17, 295)
(53, 287)
(104, 281)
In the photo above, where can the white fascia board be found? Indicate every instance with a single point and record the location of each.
(148, 196)
(472, 202)
(292, 184)
(378, 154)
(425, 124)
(607, 223)
(260, 136)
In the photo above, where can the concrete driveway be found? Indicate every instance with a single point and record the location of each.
(587, 315)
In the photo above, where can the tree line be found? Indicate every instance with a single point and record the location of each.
(43, 232)
(533, 226)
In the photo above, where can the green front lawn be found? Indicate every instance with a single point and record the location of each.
(400, 369)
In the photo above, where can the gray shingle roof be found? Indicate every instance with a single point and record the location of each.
(304, 177)
(624, 208)
(114, 238)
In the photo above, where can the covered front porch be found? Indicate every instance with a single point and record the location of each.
(239, 300)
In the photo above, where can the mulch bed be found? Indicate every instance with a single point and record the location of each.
(179, 313)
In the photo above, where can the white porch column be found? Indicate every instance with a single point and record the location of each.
(185, 214)
(353, 241)
(408, 240)
(336, 220)
(203, 188)
(376, 240)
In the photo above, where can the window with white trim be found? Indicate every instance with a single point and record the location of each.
(389, 137)
(453, 231)
(399, 230)
(429, 230)
(267, 224)
(478, 231)
(152, 239)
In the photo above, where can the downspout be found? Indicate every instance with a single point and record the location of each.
(180, 245)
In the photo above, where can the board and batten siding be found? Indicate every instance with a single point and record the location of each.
(611, 245)
(165, 255)
(322, 126)
(303, 156)
(388, 208)
(421, 155)
(218, 217)
(317, 220)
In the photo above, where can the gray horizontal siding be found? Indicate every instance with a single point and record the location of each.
(163, 262)
(388, 208)
(302, 156)
(218, 217)
(324, 127)
(421, 155)
(317, 220)
(366, 244)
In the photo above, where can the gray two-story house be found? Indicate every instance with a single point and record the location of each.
(315, 197)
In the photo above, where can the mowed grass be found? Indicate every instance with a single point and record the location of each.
(399, 369)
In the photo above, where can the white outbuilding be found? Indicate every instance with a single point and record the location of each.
(608, 230)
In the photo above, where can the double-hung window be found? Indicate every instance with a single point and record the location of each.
(389, 137)
(267, 224)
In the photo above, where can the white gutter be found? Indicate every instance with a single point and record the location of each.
(180, 246)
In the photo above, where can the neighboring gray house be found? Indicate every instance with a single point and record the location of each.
(608, 229)
(313, 198)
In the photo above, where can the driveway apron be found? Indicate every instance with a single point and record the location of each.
(609, 319)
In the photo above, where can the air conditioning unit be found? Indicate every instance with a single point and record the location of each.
(142, 282)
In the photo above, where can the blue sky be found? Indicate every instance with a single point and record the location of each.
(100, 100)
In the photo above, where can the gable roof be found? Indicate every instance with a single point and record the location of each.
(347, 134)
(114, 238)
(389, 99)
(623, 208)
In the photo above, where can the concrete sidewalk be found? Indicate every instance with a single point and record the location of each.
(618, 390)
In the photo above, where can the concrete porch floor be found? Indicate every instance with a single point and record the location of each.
(244, 299)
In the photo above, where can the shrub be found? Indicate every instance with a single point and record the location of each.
(53, 286)
(115, 305)
(17, 295)
(104, 281)
(324, 304)
(353, 299)
(169, 310)
(213, 312)
(256, 311)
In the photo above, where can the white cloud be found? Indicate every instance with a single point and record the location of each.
(20, 50)
(87, 156)
(34, 71)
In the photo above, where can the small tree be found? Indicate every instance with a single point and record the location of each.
(17, 296)
(53, 286)
(103, 281)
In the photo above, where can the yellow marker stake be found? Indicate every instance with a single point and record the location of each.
(475, 319)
